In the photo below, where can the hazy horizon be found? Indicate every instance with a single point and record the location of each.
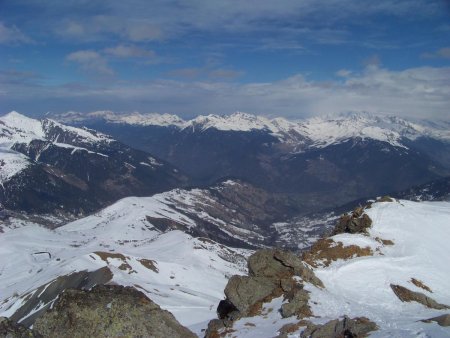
(295, 59)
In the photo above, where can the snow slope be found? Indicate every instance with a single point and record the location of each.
(317, 131)
(121, 238)
(16, 129)
(11, 163)
(361, 286)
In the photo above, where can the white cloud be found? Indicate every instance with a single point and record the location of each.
(443, 53)
(321, 20)
(12, 35)
(129, 51)
(90, 62)
(417, 92)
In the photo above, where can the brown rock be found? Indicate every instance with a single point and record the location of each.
(406, 295)
(443, 320)
(357, 223)
(325, 251)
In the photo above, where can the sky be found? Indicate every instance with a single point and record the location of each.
(293, 58)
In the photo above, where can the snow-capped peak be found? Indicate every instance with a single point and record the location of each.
(315, 131)
(15, 127)
(18, 128)
(235, 122)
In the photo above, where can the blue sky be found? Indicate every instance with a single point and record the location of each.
(292, 58)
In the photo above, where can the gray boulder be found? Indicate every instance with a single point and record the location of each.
(297, 306)
(443, 320)
(108, 311)
(245, 292)
(264, 264)
(273, 263)
(345, 328)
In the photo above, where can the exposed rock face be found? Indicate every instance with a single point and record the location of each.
(356, 223)
(9, 329)
(443, 320)
(44, 296)
(274, 263)
(298, 305)
(244, 291)
(345, 328)
(272, 273)
(406, 295)
(108, 311)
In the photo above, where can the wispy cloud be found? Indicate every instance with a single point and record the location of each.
(134, 21)
(443, 53)
(12, 35)
(422, 92)
(223, 74)
(90, 62)
(129, 51)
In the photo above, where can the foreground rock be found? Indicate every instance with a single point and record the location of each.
(108, 311)
(272, 273)
(345, 328)
(9, 329)
(406, 295)
(443, 320)
(41, 299)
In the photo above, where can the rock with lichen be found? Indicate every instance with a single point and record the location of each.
(108, 311)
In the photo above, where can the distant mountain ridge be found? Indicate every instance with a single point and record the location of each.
(45, 165)
(316, 131)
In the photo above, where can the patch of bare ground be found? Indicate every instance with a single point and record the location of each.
(420, 284)
(325, 251)
(149, 264)
(406, 295)
(385, 242)
(292, 327)
(105, 256)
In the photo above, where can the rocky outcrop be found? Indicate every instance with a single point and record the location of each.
(272, 273)
(325, 251)
(406, 295)
(345, 328)
(42, 298)
(246, 292)
(108, 311)
(10, 329)
(356, 223)
(443, 320)
(297, 305)
(279, 264)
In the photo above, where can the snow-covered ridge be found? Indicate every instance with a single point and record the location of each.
(316, 131)
(123, 238)
(17, 129)
(361, 286)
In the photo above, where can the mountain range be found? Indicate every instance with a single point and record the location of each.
(330, 160)
(187, 211)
